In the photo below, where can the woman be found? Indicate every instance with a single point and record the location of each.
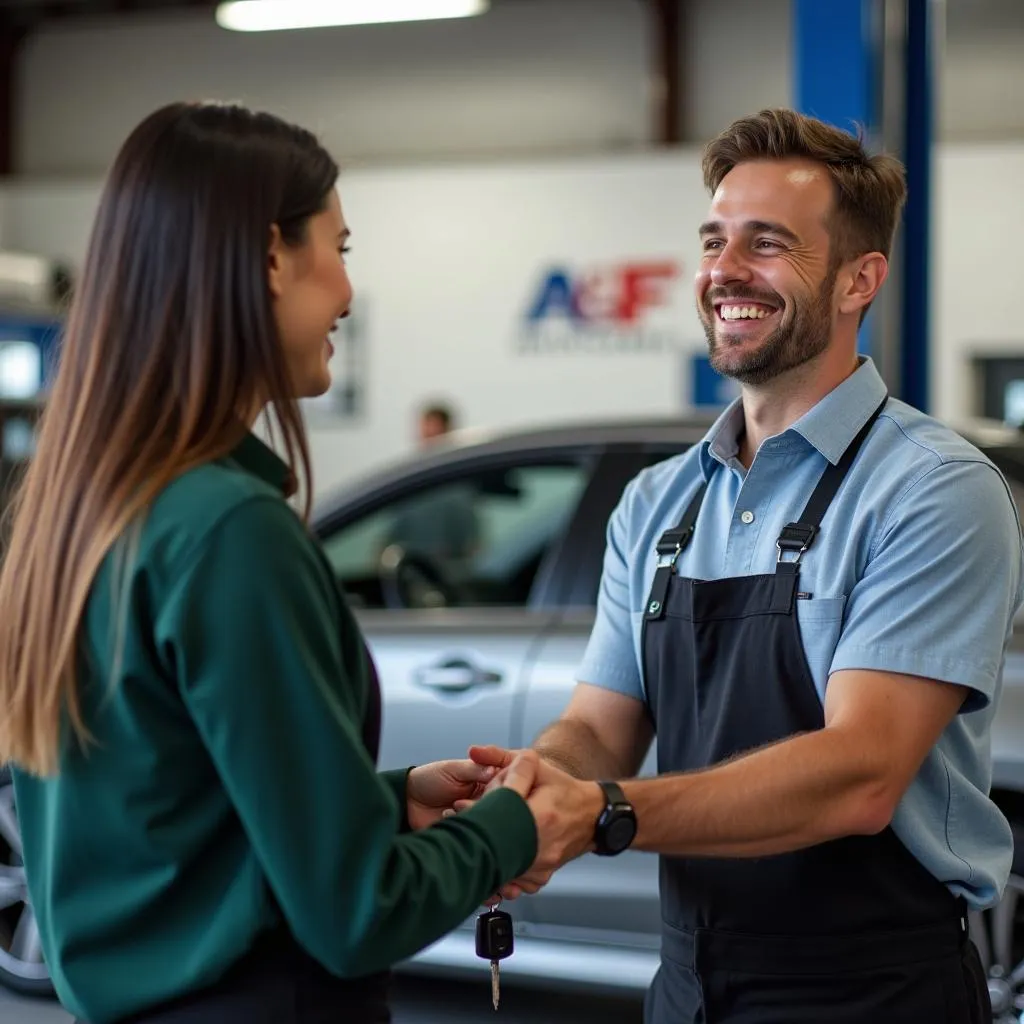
(189, 707)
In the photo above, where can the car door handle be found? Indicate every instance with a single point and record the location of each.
(455, 676)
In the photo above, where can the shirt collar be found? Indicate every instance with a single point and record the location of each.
(829, 427)
(722, 441)
(252, 455)
(836, 420)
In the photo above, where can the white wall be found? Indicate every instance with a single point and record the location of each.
(446, 260)
(48, 218)
(978, 266)
(737, 58)
(981, 88)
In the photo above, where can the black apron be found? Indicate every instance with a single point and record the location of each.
(852, 931)
(277, 981)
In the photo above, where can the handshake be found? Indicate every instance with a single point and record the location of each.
(565, 809)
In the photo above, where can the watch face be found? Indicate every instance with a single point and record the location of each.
(620, 833)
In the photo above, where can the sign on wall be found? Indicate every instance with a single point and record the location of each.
(626, 307)
(708, 388)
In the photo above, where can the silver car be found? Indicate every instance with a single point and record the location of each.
(474, 571)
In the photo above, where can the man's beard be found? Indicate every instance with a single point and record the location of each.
(790, 345)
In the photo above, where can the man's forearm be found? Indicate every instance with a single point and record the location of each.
(572, 745)
(796, 793)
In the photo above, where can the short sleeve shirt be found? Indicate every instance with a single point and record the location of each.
(917, 570)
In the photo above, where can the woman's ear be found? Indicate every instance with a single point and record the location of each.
(276, 262)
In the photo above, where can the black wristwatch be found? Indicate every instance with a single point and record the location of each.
(616, 827)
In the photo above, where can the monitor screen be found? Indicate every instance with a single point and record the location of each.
(21, 369)
(1013, 403)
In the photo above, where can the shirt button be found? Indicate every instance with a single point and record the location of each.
(747, 517)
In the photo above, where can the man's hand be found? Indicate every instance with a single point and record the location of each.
(498, 759)
(433, 788)
(565, 811)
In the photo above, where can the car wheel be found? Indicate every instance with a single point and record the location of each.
(22, 968)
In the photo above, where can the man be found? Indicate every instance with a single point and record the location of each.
(810, 610)
(442, 524)
(434, 422)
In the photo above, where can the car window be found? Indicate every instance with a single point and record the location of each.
(475, 541)
(579, 576)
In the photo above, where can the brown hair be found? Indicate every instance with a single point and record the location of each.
(870, 190)
(438, 411)
(169, 344)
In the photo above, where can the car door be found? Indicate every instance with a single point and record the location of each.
(606, 900)
(443, 576)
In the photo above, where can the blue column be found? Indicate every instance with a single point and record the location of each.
(917, 155)
(836, 67)
(835, 61)
(844, 66)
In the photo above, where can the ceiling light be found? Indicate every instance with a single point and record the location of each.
(277, 15)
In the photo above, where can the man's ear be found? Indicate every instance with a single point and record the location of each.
(276, 262)
(863, 280)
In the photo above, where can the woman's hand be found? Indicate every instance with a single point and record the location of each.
(431, 789)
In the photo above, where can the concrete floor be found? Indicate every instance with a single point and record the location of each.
(422, 1002)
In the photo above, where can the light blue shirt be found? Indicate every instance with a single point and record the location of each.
(917, 570)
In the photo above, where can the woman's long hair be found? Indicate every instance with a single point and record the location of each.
(169, 343)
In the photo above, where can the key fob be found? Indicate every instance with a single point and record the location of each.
(494, 935)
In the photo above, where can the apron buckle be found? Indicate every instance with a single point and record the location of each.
(796, 537)
(669, 561)
(671, 546)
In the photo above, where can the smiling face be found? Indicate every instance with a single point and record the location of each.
(765, 288)
(311, 293)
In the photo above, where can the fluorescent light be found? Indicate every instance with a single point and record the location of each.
(277, 15)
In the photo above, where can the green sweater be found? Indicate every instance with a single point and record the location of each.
(229, 784)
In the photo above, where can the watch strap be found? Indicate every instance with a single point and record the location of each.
(613, 793)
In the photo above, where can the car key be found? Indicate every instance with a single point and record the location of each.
(494, 942)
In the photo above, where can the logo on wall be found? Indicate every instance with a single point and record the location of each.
(625, 307)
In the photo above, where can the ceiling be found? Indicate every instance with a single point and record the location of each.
(32, 13)
(963, 17)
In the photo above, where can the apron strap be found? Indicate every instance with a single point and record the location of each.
(795, 537)
(799, 536)
(670, 546)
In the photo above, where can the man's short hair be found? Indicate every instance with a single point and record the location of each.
(438, 412)
(869, 190)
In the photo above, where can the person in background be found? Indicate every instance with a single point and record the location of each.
(441, 525)
(190, 711)
(434, 421)
(810, 609)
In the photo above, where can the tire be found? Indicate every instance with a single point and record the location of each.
(22, 968)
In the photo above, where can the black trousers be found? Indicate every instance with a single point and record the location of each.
(278, 983)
